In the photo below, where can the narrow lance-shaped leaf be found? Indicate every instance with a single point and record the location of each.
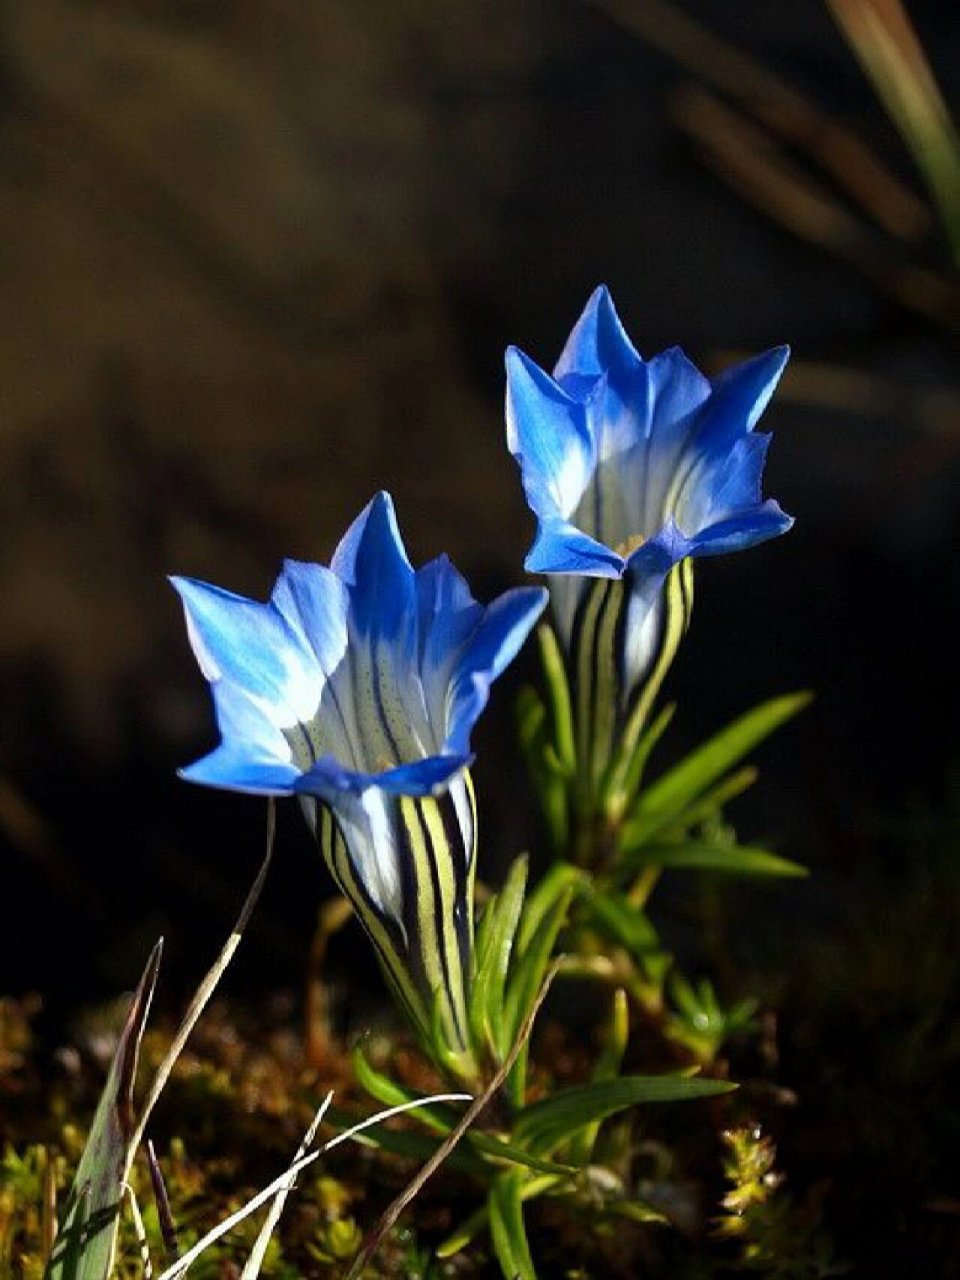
(85, 1245)
(544, 1125)
(439, 1119)
(686, 781)
(607, 1067)
(709, 804)
(729, 860)
(507, 1231)
(493, 947)
(525, 980)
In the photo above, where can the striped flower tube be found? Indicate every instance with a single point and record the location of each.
(633, 469)
(356, 687)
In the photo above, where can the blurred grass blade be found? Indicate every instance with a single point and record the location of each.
(505, 1206)
(644, 748)
(686, 782)
(558, 687)
(730, 860)
(546, 1124)
(252, 1266)
(84, 1246)
(884, 41)
(747, 159)
(851, 164)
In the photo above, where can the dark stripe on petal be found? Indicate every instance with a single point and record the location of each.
(383, 932)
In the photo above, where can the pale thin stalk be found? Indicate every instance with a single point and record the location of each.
(394, 1211)
(204, 992)
(278, 1184)
(140, 1232)
(254, 1262)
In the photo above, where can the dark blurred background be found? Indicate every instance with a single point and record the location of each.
(262, 257)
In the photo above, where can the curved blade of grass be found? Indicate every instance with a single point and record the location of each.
(389, 1092)
(85, 1244)
(526, 978)
(442, 1122)
(254, 1262)
(297, 1167)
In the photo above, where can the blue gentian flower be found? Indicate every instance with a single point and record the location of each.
(634, 467)
(356, 687)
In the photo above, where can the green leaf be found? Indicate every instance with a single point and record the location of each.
(556, 881)
(85, 1244)
(558, 689)
(440, 1119)
(607, 1067)
(708, 806)
(730, 860)
(526, 978)
(494, 945)
(391, 1094)
(633, 773)
(546, 773)
(474, 1224)
(407, 1142)
(544, 1125)
(625, 924)
(509, 1235)
(686, 781)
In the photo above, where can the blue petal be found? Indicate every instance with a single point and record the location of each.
(447, 614)
(314, 602)
(677, 390)
(560, 547)
(598, 344)
(740, 395)
(506, 624)
(250, 644)
(743, 530)
(464, 647)
(493, 647)
(372, 560)
(655, 559)
(328, 779)
(231, 768)
(547, 434)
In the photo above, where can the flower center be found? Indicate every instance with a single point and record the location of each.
(627, 548)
